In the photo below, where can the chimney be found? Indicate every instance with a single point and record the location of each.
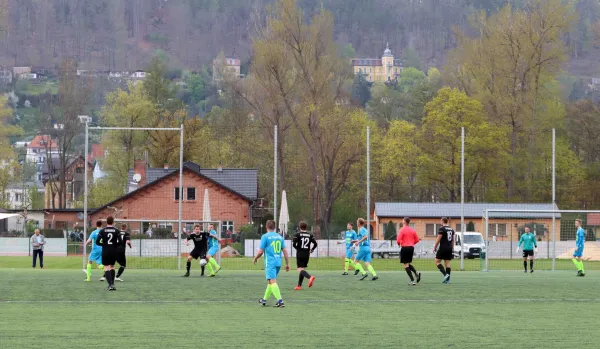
(139, 166)
(166, 166)
(220, 168)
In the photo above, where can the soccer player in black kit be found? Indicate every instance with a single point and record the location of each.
(110, 239)
(121, 258)
(200, 248)
(445, 240)
(305, 244)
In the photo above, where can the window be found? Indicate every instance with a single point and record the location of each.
(191, 194)
(79, 170)
(431, 229)
(226, 226)
(497, 229)
(176, 191)
(458, 228)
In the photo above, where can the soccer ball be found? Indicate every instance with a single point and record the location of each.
(203, 262)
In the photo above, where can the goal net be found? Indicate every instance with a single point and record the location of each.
(554, 233)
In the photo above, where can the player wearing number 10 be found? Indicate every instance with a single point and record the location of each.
(272, 245)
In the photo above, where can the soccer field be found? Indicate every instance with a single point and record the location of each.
(160, 309)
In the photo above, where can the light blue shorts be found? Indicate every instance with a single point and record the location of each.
(578, 252)
(271, 272)
(213, 251)
(364, 254)
(349, 253)
(96, 256)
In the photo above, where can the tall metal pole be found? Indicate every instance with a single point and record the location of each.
(553, 199)
(85, 193)
(487, 234)
(369, 180)
(462, 199)
(275, 175)
(180, 197)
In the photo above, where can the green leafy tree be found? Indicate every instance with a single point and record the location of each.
(409, 78)
(439, 141)
(361, 90)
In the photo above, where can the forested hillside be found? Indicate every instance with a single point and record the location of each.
(124, 34)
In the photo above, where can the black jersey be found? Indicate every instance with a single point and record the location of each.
(447, 234)
(200, 240)
(304, 242)
(124, 235)
(110, 239)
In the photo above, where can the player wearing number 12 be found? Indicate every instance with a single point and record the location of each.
(272, 245)
(305, 244)
(445, 240)
(110, 239)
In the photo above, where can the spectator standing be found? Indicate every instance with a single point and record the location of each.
(37, 243)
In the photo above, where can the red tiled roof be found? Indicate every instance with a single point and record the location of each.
(593, 219)
(41, 141)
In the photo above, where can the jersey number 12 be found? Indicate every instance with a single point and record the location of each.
(305, 242)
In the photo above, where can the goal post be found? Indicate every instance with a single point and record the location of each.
(86, 213)
(555, 234)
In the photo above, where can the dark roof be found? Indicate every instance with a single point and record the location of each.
(373, 62)
(453, 210)
(240, 181)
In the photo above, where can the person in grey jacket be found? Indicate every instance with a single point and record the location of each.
(37, 243)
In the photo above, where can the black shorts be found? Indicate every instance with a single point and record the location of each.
(527, 253)
(109, 257)
(302, 261)
(196, 253)
(444, 254)
(121, 258)
(406, 254)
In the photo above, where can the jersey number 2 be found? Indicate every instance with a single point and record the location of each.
(276, 246)
(110, 236)
(305, 243)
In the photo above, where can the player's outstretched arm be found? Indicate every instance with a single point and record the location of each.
(314, 243)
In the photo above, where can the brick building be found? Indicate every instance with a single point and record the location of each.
(153, 195)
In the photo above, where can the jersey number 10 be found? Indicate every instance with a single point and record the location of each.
(276, 246)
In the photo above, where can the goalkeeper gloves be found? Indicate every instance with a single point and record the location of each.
(535, 250)
(518, 249)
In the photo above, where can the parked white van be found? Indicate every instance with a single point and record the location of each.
(471, 243)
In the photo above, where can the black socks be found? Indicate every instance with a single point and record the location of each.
(300, 279)
(525, 265)
(448, 270)
(531, 264)
(409, 272)
(441, 268)
(121, 270)
(201, 267)
(187, 266)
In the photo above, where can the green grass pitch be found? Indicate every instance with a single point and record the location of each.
(55, 308)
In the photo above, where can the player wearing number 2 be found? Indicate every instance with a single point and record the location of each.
(272, 245)
(110, 239)
(445, 240)
(305, 244)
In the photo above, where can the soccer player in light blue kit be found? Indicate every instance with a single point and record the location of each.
(96, 254)
(213, 249)
(364, 253)
(272, 245)
(578, 254)
(349, 236)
